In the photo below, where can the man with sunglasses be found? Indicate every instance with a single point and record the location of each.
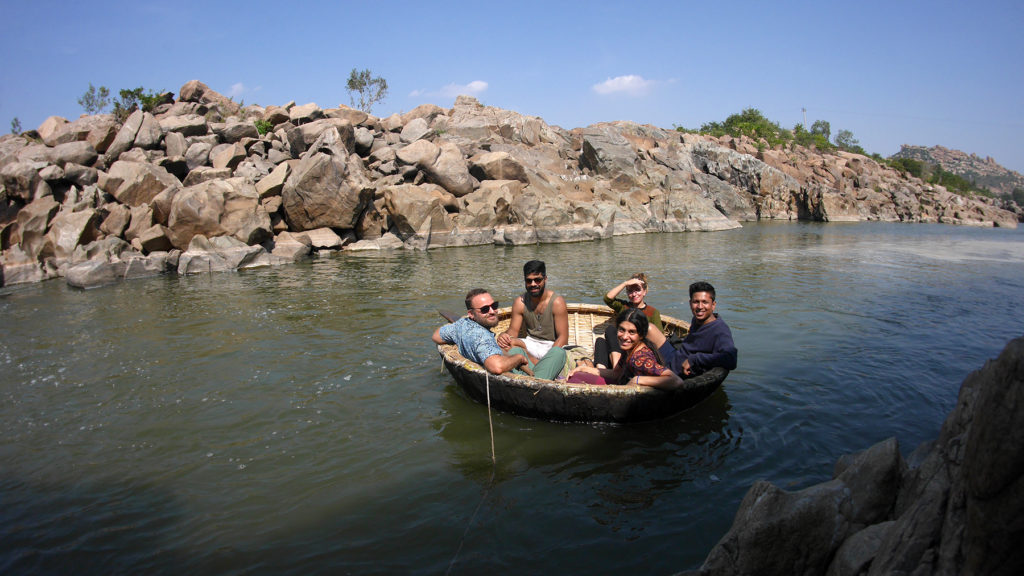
(545, 318)
(472, 334)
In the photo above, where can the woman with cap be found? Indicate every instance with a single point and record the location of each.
(606, 350)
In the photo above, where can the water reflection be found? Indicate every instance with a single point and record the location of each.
(635, 464)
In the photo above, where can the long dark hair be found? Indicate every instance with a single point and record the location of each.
(637, 318)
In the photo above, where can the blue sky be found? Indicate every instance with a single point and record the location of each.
(897, 72)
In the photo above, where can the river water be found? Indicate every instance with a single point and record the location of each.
(295, 420)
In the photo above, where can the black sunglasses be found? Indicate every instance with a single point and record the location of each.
(488, 307)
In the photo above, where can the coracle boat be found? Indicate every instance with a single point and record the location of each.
(560, 401)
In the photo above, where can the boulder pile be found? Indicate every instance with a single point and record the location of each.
(954, 506)
(201, 184)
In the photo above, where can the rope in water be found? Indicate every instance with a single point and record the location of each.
(490, 482)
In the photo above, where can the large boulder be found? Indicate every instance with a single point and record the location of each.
(227, 156)
(451, 171)
(421, 153)
(21, 180)
(76, 152)
(52, 132)
(117, 219)
(140, 130)
(442, 164)
(196, 91)
(419, 218)
(95, 273)
(32, 223)
(955, 510)
(185, 125)
(959, 510)
(273, 183)
(70, 229)
(290, 246)
(305, 113)
(415, 130)
(235, 130)
(686, 210)
(321, 192)
(81, 176)
(137, 183)
(497, 166)
(796, 533)
(218, 254)
(217, 208)
(471, 120)
(606, 150)
(344, 136)
(197, 154)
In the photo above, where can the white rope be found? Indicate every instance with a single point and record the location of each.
(490, 483)
(490, 422)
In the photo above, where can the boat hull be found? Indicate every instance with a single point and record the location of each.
(564, 402)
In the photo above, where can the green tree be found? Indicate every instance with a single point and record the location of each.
(129, 101)
(822, 127)
(751, 123)
(94, 101)
(1018, 196)
(371, 89)
(812, 139)
(909, 166)
(15, 125)
(846, 141)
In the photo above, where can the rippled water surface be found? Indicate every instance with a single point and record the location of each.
(295, 420)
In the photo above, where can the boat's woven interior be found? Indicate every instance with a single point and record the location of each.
(586, 323)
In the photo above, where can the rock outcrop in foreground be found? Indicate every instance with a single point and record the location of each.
(200, 185)
(955, 506)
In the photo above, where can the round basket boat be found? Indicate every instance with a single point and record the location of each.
(564, 402)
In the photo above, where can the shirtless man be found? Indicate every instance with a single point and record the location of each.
(546, 320)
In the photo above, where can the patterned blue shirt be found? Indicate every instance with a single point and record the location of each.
(474, 341)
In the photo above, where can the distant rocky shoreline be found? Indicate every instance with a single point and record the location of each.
(194, 186)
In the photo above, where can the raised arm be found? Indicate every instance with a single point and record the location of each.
(614, 292)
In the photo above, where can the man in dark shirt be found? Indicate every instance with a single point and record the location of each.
(707, 345)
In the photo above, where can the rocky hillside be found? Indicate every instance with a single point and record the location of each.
(982, 172)
(200, 185)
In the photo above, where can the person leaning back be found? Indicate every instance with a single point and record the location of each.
(472, 334)
(707, 345)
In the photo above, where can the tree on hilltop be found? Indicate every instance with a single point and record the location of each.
(371, 89)
(823, 128)
(846, 141)
(94, 101)
(129, 101)
(751, 123)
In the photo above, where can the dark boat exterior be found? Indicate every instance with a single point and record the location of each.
(563, 402)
